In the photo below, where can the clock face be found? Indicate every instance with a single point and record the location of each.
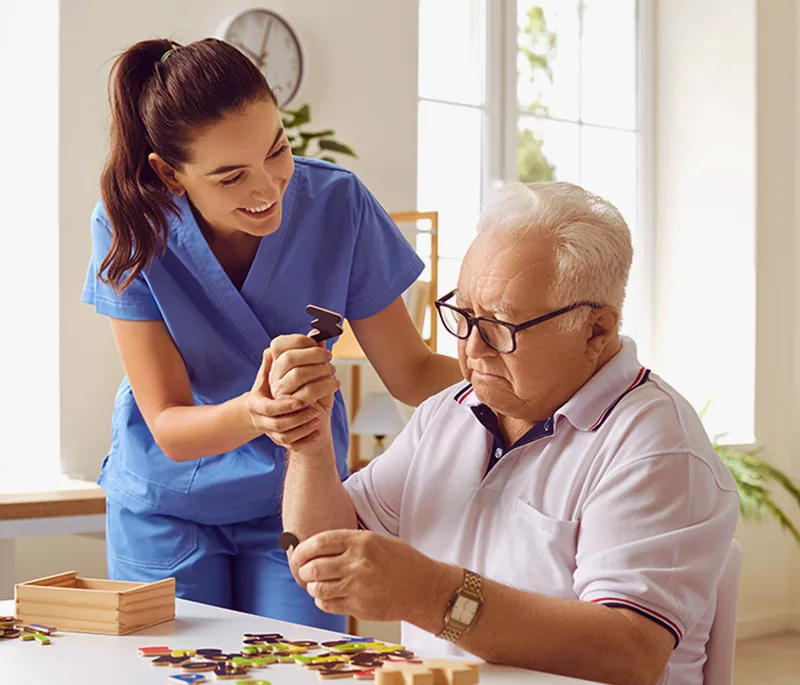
(464, 610)
(272, 45)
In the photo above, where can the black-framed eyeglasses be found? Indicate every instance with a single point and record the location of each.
(499, 335)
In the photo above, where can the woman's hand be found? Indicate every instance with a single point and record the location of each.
(292, 396)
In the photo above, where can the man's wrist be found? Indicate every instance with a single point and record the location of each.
(319, 449)
(443, 581)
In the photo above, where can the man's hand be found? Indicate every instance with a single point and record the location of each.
(292, 395)
(373, 577)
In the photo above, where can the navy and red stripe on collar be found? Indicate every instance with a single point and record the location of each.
(463, 393)
(641, 379)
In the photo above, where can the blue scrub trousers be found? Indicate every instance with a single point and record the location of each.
(237, 566)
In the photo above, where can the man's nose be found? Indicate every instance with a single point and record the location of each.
(476, 345)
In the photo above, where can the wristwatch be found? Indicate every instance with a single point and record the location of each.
(463, 608)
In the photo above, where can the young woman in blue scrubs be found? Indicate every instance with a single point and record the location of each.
(209, 241)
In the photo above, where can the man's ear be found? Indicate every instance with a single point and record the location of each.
(602, 325)
(166, 173)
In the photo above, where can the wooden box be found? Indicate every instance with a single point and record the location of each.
(83, 605)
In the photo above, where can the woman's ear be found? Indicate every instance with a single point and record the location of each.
(166, 173)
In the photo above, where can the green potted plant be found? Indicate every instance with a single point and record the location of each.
(755, 479)
(305, 143)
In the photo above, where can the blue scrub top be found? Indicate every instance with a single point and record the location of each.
(336, 248)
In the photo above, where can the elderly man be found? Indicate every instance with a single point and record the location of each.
(563, 509)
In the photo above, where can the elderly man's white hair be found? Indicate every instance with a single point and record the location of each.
(591, 239)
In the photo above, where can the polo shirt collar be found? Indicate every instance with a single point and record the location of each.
(589, 408)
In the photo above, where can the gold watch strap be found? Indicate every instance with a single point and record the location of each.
(473, 584)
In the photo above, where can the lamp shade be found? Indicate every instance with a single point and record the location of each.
(378, 415)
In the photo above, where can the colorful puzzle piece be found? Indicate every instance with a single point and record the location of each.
(256, 662)
(225, 671)
(154, 651)
(190, 678)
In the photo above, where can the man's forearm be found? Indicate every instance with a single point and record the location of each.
(563, 636)
(314, 499)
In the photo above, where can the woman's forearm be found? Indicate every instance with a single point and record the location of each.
(188, 433)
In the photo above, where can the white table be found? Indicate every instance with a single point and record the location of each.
(100, 659)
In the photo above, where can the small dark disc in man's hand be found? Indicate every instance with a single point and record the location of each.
(288, 540)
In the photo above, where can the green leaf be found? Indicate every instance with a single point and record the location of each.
(326, 158)
(334, 146)
(299, 116)
(317, 134)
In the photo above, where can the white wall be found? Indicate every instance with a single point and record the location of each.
(794, 567)
(358, 82)
(725, 168)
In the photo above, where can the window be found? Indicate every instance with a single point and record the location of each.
(452, 175)
(575, 109)
(29, 244)
(520, 90)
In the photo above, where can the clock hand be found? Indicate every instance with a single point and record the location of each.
(252, 55)
(263, 52)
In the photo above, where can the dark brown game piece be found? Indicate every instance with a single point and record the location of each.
(303, 643)
(10, 633)
(335, 643)
(335, 674)
(264, 636)
(326, 323)
(366, 660)
(170, 660)
(199, 666)
(288, 540)
(208, 652)
(229, 672)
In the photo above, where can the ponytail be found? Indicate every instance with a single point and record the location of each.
(159, 100)
(135, 199)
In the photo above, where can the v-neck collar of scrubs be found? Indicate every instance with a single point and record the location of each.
(240, 303)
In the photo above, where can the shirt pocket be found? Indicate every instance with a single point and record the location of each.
(536, 552)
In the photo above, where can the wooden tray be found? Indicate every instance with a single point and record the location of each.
(84, 605)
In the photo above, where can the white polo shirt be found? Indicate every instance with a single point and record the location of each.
(619, 498)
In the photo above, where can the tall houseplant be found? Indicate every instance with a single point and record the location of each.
(755, 478)
(305, 143)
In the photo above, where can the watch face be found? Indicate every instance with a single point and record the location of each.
(464, 610)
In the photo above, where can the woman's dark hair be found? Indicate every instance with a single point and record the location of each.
(161, 95)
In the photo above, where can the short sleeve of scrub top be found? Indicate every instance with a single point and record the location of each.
(378, 253)
(136, 302)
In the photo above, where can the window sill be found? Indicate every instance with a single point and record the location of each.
(34, 496)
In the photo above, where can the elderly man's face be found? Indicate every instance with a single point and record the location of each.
(508, 276)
